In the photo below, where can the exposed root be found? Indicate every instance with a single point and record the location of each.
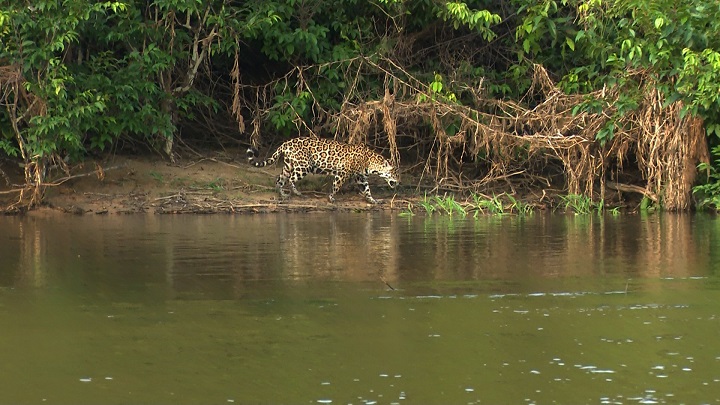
(491, 142)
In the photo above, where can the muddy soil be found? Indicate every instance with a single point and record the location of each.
(210, 184)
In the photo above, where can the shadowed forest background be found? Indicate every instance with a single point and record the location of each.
(582, 97)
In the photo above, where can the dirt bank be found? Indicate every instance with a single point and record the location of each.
(211, 184)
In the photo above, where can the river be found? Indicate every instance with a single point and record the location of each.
(361, 308)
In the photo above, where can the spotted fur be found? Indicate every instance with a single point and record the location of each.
(302, 156)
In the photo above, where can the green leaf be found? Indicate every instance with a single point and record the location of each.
(436, 87)
(570, 43)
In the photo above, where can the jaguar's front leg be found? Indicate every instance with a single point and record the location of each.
(295, 190)
(362, 183)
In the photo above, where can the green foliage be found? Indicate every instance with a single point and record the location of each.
(593, 44)
(459, 14)
(428, 205)
(158, 177)
(544, 23)
(580, 204)
(288, 109)
(407, 211)
(449, 206)
(217, 185)
(699, 79)
(670, 38)
(648, 206)
(37, 39)
(446, 205)
(707, 194)
(492, 205)
(292, 37)
(438, 91)
(96, 72)
(519, 207)
(502, 204)
(111, 69)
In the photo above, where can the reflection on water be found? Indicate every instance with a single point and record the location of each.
(360, 308)
(233, 250)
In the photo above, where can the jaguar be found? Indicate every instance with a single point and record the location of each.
(302, 156)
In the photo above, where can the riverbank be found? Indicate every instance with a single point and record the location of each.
(218, 183)
(223, 182)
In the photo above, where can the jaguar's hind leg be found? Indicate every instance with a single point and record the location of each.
(280, 183)
(297, 175)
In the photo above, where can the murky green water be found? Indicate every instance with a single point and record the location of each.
(359, 308)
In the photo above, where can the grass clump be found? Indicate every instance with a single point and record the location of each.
(447, 205)
(477, 204)
(583, 205)
(579, 204)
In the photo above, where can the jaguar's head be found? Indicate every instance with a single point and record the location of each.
(383, 168)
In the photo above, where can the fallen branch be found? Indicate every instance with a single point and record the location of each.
(100, 173)
(629, 188)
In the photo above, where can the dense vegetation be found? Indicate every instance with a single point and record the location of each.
(518, 92)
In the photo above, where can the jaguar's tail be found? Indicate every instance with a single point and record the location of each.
(252, 158)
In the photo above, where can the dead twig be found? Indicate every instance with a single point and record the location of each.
(100, 172)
